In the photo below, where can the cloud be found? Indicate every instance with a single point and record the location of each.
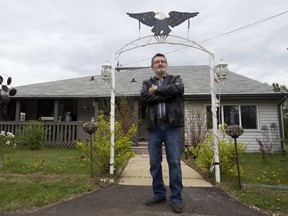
(49, 40)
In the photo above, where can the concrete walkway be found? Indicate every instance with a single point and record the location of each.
(137, 173)
(200, 198)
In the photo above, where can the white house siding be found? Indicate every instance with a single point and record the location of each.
(267, 113)
(191, 109)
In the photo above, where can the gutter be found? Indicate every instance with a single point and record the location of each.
(235, 96)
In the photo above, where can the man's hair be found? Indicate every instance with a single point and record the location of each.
(158, 54)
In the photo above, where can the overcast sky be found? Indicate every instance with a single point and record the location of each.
(48, 40)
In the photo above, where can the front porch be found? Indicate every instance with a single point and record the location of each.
(57, 134)
(64, 118)
(65, 134)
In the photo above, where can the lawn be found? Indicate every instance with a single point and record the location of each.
(35, 178)
(264, 182)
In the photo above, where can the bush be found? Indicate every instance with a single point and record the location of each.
(204, 155)
(195, 128)
(32, 135)
(101, 146)
(7, 145)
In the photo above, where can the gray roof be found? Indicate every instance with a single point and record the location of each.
(196, 81)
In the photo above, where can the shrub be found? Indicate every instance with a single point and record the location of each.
(101, 146)
(32, 135)
(125, 113)
(270, 140)
(195, 128)
(204, 155)
(7, 145)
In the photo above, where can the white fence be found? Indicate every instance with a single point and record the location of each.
(57, 134)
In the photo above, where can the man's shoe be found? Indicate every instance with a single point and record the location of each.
(177, 207)
(154, 200)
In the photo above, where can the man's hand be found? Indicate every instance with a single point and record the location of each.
(152, 89)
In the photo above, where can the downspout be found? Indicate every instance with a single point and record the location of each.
(281, 123)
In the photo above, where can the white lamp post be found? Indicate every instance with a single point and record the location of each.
(221, 70)
(108, 74)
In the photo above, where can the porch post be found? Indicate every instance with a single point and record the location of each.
(136, 108)
(56, 105)
(96, 108)
(17, 111)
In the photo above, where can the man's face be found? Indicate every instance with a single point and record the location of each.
(159, 65)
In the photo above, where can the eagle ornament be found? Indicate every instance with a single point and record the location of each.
(160, 22)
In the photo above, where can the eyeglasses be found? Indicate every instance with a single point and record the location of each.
(160, 61)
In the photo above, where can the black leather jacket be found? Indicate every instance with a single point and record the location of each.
(171, 92)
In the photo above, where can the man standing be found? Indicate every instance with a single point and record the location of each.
(163, 97)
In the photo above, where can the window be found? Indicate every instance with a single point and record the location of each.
(243, 115)
(248, 117)
(209, 117)
(231, 115)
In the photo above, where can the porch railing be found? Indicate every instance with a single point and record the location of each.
(57, 134)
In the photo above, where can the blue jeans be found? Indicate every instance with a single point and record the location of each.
(171, 136)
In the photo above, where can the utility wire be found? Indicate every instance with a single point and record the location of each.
(218, 36)
(238, 29)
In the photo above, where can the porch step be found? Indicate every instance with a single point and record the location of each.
(142, 148)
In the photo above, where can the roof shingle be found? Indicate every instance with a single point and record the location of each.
(196, 80)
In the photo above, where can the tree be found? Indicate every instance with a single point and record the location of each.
(284, 89)
(285, 118)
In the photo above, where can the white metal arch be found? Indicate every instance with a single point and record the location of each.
(153, 40)
(173, 40)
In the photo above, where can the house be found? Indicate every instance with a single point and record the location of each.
(65, 105)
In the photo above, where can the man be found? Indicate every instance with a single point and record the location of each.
(163, 97)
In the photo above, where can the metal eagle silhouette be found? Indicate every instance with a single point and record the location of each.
(160, 22)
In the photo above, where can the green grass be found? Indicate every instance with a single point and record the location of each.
(272, 170)
(35, 178)
(48, 161)
(266, 182)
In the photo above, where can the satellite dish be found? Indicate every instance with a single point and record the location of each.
(9, 80)
(12, 92)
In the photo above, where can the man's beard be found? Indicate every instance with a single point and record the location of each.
(161, 71)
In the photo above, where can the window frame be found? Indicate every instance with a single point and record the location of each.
(208, 108)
